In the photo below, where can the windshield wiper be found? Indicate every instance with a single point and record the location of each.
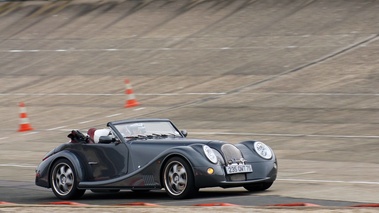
(137, 136)
(165, 135)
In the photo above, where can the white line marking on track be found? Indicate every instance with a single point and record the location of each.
(22, 51)
(344, 136)
(187, 93)
(84, 122)
(16, 51)
(55, 128)
(329, 181)
(172, 49)
(30, 133)
(17, 165)
(109, 116)
(111, 94)
(3, 138)
(312, 94)
(303, 173)
(141, 108)
(284, 135)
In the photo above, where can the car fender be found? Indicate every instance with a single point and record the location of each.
(74, 159)
(193, 154)
(247, 149)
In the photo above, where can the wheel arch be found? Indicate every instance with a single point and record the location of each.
(191, 154)
(166, 159)
(73, 159)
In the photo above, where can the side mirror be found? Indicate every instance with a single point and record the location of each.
(184, 132)
(106, 139)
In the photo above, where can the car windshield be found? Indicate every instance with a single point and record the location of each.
(147, 128)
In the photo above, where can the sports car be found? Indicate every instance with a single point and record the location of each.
(151, 154)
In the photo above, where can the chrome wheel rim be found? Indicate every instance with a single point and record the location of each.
(175, 178)
(63, 179)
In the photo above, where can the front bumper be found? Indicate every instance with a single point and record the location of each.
(262, 172)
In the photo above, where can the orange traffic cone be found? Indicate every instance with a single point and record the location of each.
(24, 126)
(131, 101)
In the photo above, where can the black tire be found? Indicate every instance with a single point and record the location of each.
(178, 179)
(256, 187)
(64, 181)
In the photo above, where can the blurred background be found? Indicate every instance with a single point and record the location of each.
(300, 75)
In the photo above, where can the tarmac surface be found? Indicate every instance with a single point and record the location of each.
(301, 76)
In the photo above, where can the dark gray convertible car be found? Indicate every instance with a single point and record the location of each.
(151, 154)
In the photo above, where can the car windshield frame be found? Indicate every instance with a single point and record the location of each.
(143, 128)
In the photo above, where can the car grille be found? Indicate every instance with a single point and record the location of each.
(231, 153)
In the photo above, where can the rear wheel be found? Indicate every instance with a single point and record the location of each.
(256, 187)
(178, 179)
(64, 182)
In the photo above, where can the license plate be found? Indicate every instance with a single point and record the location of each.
(233, 169)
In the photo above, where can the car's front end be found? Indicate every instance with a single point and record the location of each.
(242, 164)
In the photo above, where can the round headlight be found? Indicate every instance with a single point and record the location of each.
(263, 150)
(210, 154)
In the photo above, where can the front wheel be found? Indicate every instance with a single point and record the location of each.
(178, 179)
(63, 181)
(256, 187)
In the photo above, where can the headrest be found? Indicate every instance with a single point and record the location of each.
(100, 132)
(91, 132)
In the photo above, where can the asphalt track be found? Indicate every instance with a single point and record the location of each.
(302, 76)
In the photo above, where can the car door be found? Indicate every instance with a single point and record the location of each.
(106, 161)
